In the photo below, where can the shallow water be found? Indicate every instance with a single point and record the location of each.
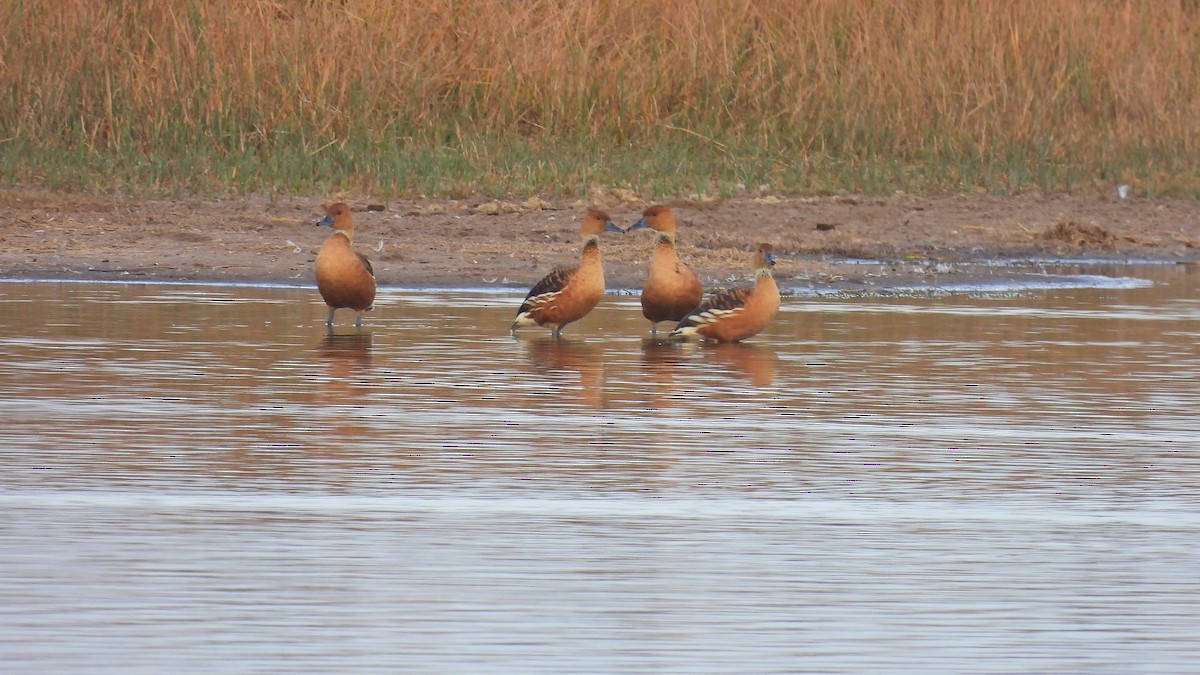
(994, 479)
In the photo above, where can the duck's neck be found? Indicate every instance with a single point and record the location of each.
(349, 235)
(664, 250)
(591, 250)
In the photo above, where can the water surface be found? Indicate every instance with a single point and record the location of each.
(984, 479)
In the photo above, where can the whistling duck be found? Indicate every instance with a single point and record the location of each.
(568, 294)
(738, 313)
(672, 289)
(344, 278)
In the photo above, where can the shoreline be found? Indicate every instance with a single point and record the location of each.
(996, 276)
(825, 242)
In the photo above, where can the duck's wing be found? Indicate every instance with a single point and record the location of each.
(718, 306)
(366, 263)
(547, 289)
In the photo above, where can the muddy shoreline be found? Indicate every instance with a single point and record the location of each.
(851, 242)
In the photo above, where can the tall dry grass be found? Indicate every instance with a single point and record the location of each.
(524, 95)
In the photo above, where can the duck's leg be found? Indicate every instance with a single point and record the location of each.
(358, 321)
(329, 318)
(653, 330)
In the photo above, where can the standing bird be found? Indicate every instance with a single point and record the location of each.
(568, 294)
(672, 289)
(738, 313)
(344, 278)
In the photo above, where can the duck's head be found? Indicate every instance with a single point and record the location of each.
(338, 217)
(595, 222)
(658, 218)
(764, 258)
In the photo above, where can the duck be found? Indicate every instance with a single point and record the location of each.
(672, 289)
(738, 313)
(567, 294)
(345, 278)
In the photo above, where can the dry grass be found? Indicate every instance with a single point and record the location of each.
(543, 95)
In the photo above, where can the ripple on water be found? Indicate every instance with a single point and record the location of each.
(958, 482)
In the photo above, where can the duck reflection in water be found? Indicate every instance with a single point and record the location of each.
(665, 360)
(347, 356)
(662, 357)
(347, 348)
(555, 357)
(755, 363)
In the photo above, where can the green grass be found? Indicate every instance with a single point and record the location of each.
(489, 166)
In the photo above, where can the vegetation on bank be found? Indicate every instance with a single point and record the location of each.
(511, 97)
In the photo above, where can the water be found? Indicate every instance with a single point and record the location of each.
(1000, 479)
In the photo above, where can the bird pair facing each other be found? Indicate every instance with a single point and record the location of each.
(672, 291)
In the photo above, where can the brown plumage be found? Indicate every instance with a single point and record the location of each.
(738, 313)
(344, 278)
(568, 294)
(671, 289)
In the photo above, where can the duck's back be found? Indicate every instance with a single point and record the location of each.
(568, 294)
(735, 314)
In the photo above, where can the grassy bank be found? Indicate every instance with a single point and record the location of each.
(450, 97)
